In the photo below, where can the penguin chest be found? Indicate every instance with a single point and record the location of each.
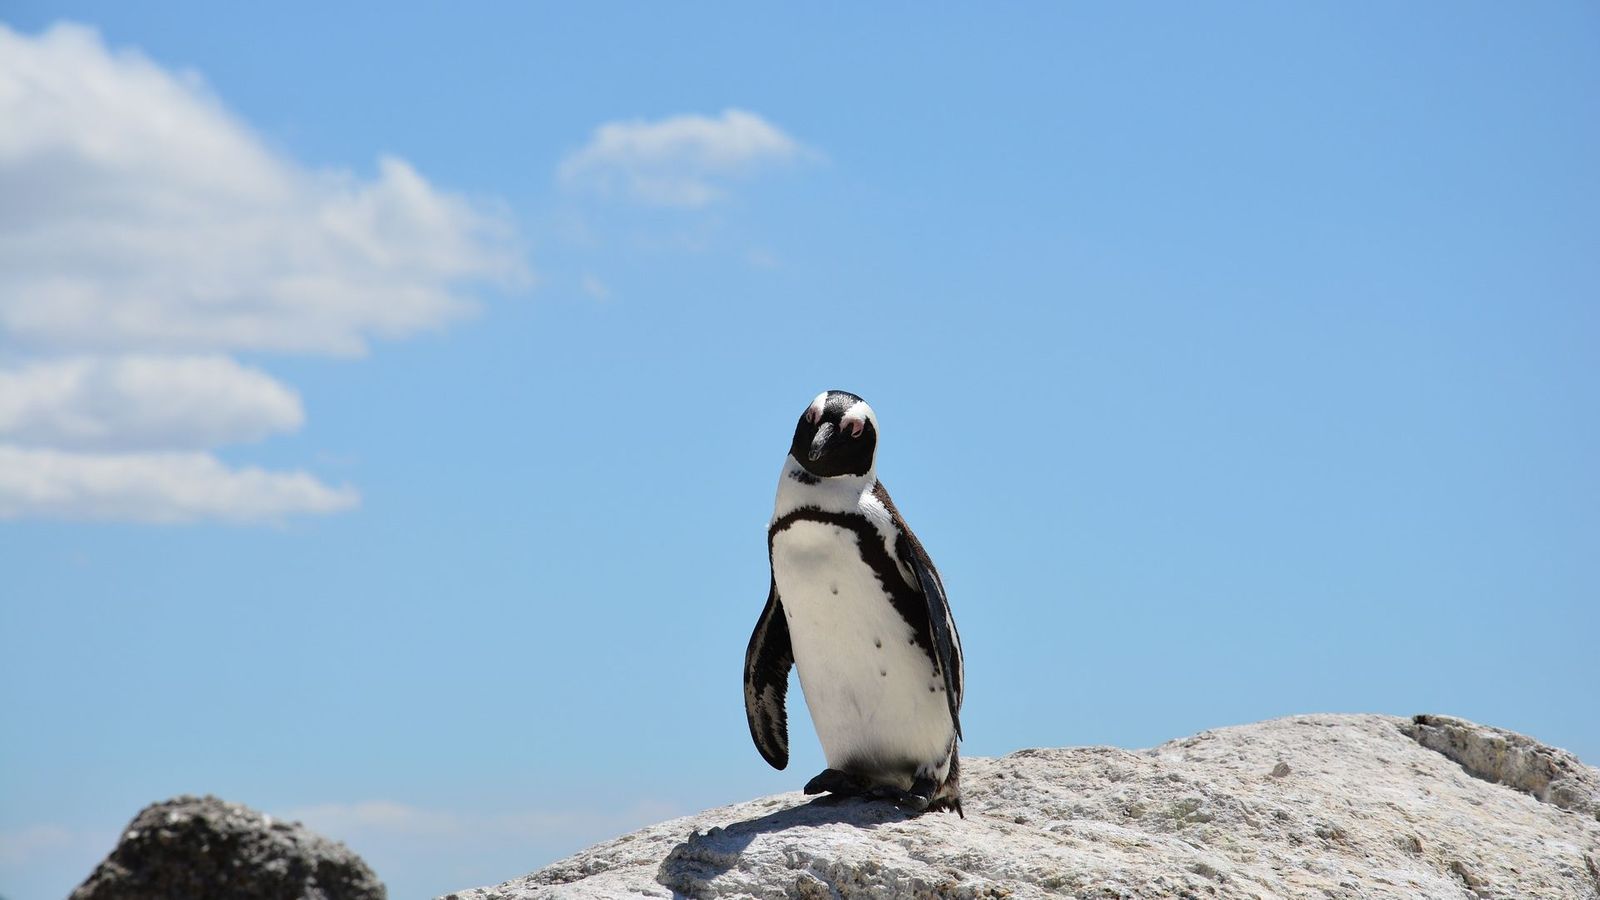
(875, 696)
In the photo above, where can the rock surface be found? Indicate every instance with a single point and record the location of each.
(1327, 806)
(1515, 760)
(203, 847)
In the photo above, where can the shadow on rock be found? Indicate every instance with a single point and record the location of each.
(703, 856)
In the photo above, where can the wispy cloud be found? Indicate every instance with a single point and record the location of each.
(423, 852)
(156, 488)
(144, 231)
(142, 403)
(47, 859)
(393, 818)
(141, 215)
(682, 161)
(18, 845)
(595, 288)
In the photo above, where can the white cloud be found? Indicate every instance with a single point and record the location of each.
(155, 487)
(140, 215)
(142, 403)
(144, 232)
(678, 161)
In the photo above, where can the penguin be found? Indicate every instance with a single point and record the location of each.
(856, 604)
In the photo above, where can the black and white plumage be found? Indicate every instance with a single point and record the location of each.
(856, 604)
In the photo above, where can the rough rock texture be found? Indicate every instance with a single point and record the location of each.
(1515, 760)
(202, 847)
(1326, 806)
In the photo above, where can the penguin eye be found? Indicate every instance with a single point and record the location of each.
(813, 415)
(856, 427)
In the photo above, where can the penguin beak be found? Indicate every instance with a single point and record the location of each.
(819, 444)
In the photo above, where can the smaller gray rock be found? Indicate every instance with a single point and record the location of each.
(206, 847)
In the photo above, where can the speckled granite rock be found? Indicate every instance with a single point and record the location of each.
(1327, 806)
(203, 847)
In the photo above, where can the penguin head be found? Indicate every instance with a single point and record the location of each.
(836, 435)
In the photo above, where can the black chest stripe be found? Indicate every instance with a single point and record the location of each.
(908, 601)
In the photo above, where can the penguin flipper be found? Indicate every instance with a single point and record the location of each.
(766, 682)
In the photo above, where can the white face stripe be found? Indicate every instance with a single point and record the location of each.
(857, 417)
(814, 411)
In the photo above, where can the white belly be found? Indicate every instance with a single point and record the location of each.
(877, 703)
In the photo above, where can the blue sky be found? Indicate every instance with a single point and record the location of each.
(391, 400)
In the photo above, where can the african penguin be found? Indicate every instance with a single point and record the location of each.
(857, 605)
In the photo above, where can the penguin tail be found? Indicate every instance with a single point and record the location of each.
(949, 794)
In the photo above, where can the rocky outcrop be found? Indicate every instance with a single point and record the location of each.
(194, 847)
(1515, 760)
(1326, 806)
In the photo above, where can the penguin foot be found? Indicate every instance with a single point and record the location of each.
(918, 799)
(833, 781)
(923, 796)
